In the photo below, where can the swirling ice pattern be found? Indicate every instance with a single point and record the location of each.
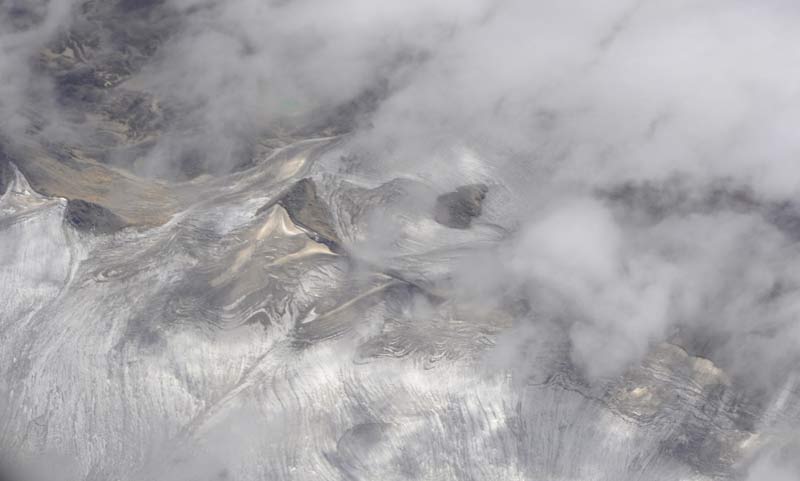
(227, 344)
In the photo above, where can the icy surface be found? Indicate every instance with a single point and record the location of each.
(228, 344)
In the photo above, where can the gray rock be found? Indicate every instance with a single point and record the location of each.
(308, 211)
(457, 209)
(5, 173)
(88, 216)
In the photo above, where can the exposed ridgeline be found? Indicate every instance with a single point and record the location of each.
(259, 240)
(263, 307)
(98, 101)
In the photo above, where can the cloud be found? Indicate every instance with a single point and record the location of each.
(774, 466)
(616, 299)
(241, 69)
(25, 27)
(557, 104)
(641, 154)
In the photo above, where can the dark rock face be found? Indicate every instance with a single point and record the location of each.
(308, 211)
(651, 202)
(88, 216)
(128, 5)
(457, 209)
(5, 173)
